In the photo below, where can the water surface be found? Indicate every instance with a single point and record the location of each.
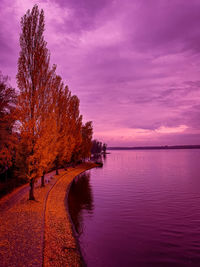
(141, 209)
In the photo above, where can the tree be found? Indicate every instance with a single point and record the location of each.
(7, 120)
(32, 79)
(86, 145)
(75, 122)
(104, 148)
(61, 98)
(46, 143)
(96, 147)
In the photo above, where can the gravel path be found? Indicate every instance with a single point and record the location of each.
(23, 224)
(10, 200)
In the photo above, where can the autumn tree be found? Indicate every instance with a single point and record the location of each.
(50, 124)
(46, 143)
(32, 79)
(60, 98)
(75, 122)
(7, 119)
(86, 145)
(68, 122)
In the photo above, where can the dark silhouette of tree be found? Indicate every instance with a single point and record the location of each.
(96, 147)
(104, 148)
(7, 120)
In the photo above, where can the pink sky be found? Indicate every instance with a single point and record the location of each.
(135, 65)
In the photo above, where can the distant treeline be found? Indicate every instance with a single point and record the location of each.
(40, 127)
(98, 147)
(155, 147)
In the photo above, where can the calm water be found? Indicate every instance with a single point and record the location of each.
(141, 209)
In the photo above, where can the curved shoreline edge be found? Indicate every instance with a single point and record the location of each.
(60, 244)
(82, 262)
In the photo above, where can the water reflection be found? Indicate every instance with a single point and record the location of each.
(97, 158)
(145, 209)
(80, 198)
(104, 156)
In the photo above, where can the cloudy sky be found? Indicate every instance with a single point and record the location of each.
(135, 65)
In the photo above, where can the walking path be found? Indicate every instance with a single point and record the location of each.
(18, 194)
(23, 223)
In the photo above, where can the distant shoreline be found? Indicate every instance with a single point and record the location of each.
(155, 147)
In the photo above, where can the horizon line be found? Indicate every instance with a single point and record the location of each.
(154, 147)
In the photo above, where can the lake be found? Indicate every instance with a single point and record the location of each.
(141, 209)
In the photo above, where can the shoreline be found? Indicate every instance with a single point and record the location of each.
(75, 235)
(165, 147)
(25, 240)
(61, 246)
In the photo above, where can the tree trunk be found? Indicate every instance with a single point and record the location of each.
(57, 166)
(31, 195)
(42, 180)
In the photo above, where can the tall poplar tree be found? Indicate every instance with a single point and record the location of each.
(32, 79)
(62, 98)
(86, 145)
(46, 144)
(75, 122)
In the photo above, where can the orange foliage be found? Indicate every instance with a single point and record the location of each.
(50, 124)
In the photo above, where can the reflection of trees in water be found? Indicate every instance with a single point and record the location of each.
(99, 158)
(104, 156)
(80, 198)
(96, 157)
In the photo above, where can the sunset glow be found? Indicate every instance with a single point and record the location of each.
(133, 64)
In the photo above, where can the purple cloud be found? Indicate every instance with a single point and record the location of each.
(133, 64)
